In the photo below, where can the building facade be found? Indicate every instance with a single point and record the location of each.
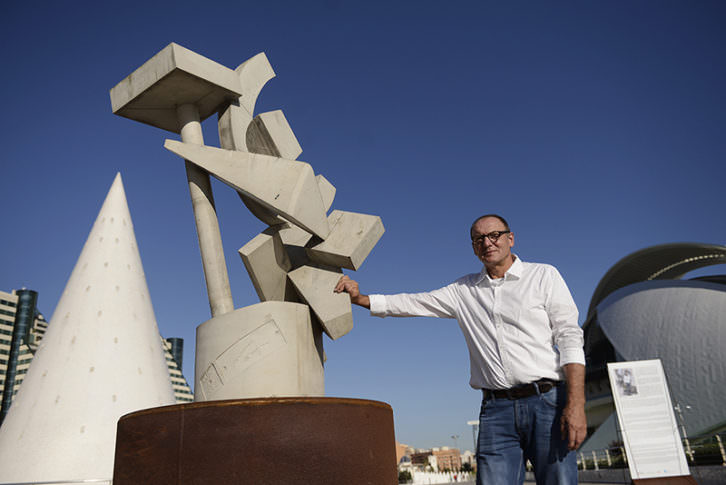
(22, 328)
(436, 459)
(447, 459)
(174, 352)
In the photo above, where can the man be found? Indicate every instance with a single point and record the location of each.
(525, 352)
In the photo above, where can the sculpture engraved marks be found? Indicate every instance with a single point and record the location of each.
(263, 350)
(247, 351)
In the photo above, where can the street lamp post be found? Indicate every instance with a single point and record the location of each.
(689, 451)
(474, 425)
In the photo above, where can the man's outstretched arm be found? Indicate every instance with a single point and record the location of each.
(350, 286)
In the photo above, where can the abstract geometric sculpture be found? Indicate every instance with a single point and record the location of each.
(296, 260)
(265, 361)
(100, 359)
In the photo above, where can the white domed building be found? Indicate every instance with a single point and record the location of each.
(642, 309)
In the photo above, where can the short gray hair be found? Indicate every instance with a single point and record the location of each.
(496, 216)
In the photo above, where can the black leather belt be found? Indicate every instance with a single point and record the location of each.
(521, 391)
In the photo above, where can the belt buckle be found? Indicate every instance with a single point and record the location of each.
(524, 390)
(515, 393)
(546, 385)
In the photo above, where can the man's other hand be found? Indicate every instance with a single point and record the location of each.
(574, 425)
(574, 421)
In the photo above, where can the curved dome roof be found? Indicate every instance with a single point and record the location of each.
(662, 262)
(683, 323)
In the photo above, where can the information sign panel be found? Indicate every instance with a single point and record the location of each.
(646, 418)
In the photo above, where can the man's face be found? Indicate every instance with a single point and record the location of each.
(492, 253)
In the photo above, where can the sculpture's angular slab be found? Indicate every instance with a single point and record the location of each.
(294, 238)
(286, 187)
(352, 237)
(270, 134)
(174, 77)
(314, 285)
(100, 359)
(267, 263)
(234, 119)
(253, 75)
(270, 349)
(261, 212)
(327, 191)
(293, 235)
(327, 194)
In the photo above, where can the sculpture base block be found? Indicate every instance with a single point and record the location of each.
(258, 441)
(266, 349)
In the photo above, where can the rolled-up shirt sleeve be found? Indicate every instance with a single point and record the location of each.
(437, 303)
(562, 311)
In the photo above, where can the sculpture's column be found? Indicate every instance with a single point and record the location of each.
(175, 90)
(205, 216)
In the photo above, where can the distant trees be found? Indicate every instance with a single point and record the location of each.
(404, 476)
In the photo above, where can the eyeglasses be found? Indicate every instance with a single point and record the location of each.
(493, 237)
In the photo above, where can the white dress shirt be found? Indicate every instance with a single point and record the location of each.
(519, 328)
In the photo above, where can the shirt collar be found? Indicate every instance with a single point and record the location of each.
(514, 271)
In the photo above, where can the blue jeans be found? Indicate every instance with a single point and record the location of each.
(514, 431)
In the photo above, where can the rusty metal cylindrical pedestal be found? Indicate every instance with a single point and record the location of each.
(258, 441)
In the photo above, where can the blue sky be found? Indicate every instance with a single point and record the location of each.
(596, 128)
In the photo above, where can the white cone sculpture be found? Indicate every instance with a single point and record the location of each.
(100, 359)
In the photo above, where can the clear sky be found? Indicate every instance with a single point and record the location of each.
(596, 128)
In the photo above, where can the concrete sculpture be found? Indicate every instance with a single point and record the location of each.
(293, 264)
(100, 359)
(259, 369)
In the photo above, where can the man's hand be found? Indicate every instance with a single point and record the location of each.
(574, 422)
(574, 425)
(350, 286)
